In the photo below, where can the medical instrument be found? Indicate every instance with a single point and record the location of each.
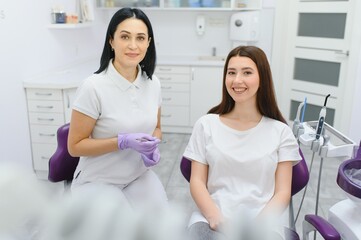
(297, 128)
(321, 118)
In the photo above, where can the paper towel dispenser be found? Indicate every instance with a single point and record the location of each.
(244, 26)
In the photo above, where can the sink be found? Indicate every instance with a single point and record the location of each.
(211, 58)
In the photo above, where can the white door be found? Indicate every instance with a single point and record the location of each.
(319, 38)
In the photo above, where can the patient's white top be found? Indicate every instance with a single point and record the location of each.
(242, 164)
(118, 106)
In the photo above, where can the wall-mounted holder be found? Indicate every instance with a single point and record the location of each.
(244, 27)
(200, 25)
(337, 144)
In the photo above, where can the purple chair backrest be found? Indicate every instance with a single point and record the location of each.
(61, 165)
(300, 174)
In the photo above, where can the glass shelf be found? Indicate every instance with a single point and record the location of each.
(70, 25)
(209, 5)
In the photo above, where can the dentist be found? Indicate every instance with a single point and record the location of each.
(115, 123)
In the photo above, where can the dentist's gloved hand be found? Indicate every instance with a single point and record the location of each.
(140, 142)
(151, 159)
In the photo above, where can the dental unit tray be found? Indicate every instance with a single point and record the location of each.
(332, 143)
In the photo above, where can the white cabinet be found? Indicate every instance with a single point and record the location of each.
(48, 109)
(188, 92)
(206, 90)
(175, 82)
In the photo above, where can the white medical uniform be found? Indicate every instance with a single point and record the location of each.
(242, 164)
(118, 106)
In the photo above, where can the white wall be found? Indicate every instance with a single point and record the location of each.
(355, 125)
(28, 48)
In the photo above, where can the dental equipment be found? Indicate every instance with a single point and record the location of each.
(345, 215)
(315, 137)
(297, 128)
(321, 118)
(330, 143)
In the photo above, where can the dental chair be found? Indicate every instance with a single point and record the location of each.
(61, 165)
(300, 177)
(345, 215)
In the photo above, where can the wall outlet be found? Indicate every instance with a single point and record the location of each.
(200, 24)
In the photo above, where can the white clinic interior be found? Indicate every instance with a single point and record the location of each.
(37, 54)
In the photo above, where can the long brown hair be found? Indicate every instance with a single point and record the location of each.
(266, 100)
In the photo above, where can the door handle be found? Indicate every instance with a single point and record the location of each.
(344, 53)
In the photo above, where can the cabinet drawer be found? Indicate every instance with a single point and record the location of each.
(175, 116)
(172, 69)
(175, 87)
(44, 94)
(173, 78)
(175, 98)
(46, 118)
(41, 155)
(45, 106)
(43, 133)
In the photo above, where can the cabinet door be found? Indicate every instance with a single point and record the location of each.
(68, 98)
(206, 90)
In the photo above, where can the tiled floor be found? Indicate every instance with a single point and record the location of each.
(177, 187)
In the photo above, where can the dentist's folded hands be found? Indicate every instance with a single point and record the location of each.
(143, 143)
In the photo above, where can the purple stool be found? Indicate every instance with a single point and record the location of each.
(300, 177)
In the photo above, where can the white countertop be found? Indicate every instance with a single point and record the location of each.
(72, 77)
(191, 60)
(67, 78)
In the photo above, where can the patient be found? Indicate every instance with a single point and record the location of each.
(242, 155)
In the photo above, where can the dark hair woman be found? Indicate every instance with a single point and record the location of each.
(115, 122)
(242, 153)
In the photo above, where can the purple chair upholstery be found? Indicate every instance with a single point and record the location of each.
(61, 165)
(300, 177)
(313, 222)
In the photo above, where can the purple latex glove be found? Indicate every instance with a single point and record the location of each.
(151, 159)
(140, 142)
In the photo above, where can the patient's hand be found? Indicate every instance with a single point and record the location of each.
(215, 220)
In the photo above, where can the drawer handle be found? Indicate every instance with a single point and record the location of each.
(167, 88)
(47, 107)
(166, 116)
(45, 158)
(167, 99)
(165, 69)
(43, 94)
(165, 78)
(47, 134)
(46, 119)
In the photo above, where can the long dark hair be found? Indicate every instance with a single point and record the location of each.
(148, 63)
(266, 100)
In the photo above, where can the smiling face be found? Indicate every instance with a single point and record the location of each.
(130, 43)
(242, 79)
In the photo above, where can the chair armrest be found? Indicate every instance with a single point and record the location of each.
(317, 223)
